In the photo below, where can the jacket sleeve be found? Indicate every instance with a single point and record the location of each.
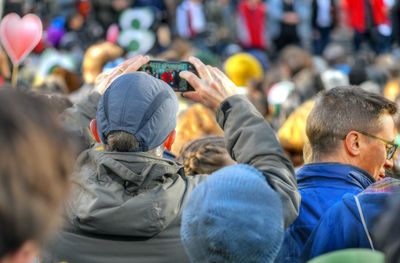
(77, 118)
(251, 140)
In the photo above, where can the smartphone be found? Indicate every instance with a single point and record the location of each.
(169, 73)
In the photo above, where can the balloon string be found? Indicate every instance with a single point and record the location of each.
(14, 75)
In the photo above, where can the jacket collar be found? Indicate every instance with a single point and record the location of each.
(136, 170)
(338, 171)
(126, 194)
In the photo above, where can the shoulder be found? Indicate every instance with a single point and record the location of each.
(191, 183)
(194, 180)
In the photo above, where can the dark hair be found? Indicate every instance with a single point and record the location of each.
(120, 141)
(204, 155)
(358, 75)
(35, 161)
(341, 110)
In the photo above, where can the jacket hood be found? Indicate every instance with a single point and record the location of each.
(125, 194)
(336, 171)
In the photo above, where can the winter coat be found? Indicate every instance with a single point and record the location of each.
(126, 207)
(321, 185)
(356, 13)
(347, 225)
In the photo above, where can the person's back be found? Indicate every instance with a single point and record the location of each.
(127, 200)
(349, 223)
(345, 130)
(321, 186)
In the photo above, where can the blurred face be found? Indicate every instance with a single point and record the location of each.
(76, 22)
(374, 151)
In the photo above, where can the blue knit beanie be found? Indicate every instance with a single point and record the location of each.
(234, 216)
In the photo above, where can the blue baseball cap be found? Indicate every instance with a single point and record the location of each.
(141, 105)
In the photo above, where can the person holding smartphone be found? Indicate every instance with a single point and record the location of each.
(127, 200)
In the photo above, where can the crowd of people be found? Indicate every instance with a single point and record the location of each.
(286, 150)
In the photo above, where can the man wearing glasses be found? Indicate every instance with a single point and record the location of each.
(351, 134)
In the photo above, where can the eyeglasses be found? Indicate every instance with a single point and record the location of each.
(391, 147)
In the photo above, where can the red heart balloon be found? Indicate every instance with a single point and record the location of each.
(20, 36)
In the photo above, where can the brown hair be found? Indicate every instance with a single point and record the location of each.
(341, 110)
(205, 155)
(296, 59)
(35, 161)
(196, 122)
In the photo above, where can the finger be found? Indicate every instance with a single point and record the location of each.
(201, 68)
(218, 72)
(225, 81)
(129, 61)
(137, 64)
(221, 75)
(128, 66)
(193, 80)
(210, 70)
(192, 95)
(218, 81)
(226, 86)
(114, 73)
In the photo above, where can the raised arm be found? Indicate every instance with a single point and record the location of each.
(249, 138)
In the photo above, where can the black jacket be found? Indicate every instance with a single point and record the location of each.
(314, 13)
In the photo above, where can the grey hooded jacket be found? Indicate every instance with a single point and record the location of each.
(126, 207)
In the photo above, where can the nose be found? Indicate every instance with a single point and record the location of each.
(388, 164)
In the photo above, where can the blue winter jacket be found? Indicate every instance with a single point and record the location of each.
(321, 185)
(341, 226)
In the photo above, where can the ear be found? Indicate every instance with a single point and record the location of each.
(352, 143)
(94, 131)
(170, 140)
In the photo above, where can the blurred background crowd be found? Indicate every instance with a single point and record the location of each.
(279, 52)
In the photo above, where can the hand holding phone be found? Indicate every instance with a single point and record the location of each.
(133, 64)
(211, 84)
(169, 73)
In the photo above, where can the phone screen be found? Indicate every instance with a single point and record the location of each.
(169, 73)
